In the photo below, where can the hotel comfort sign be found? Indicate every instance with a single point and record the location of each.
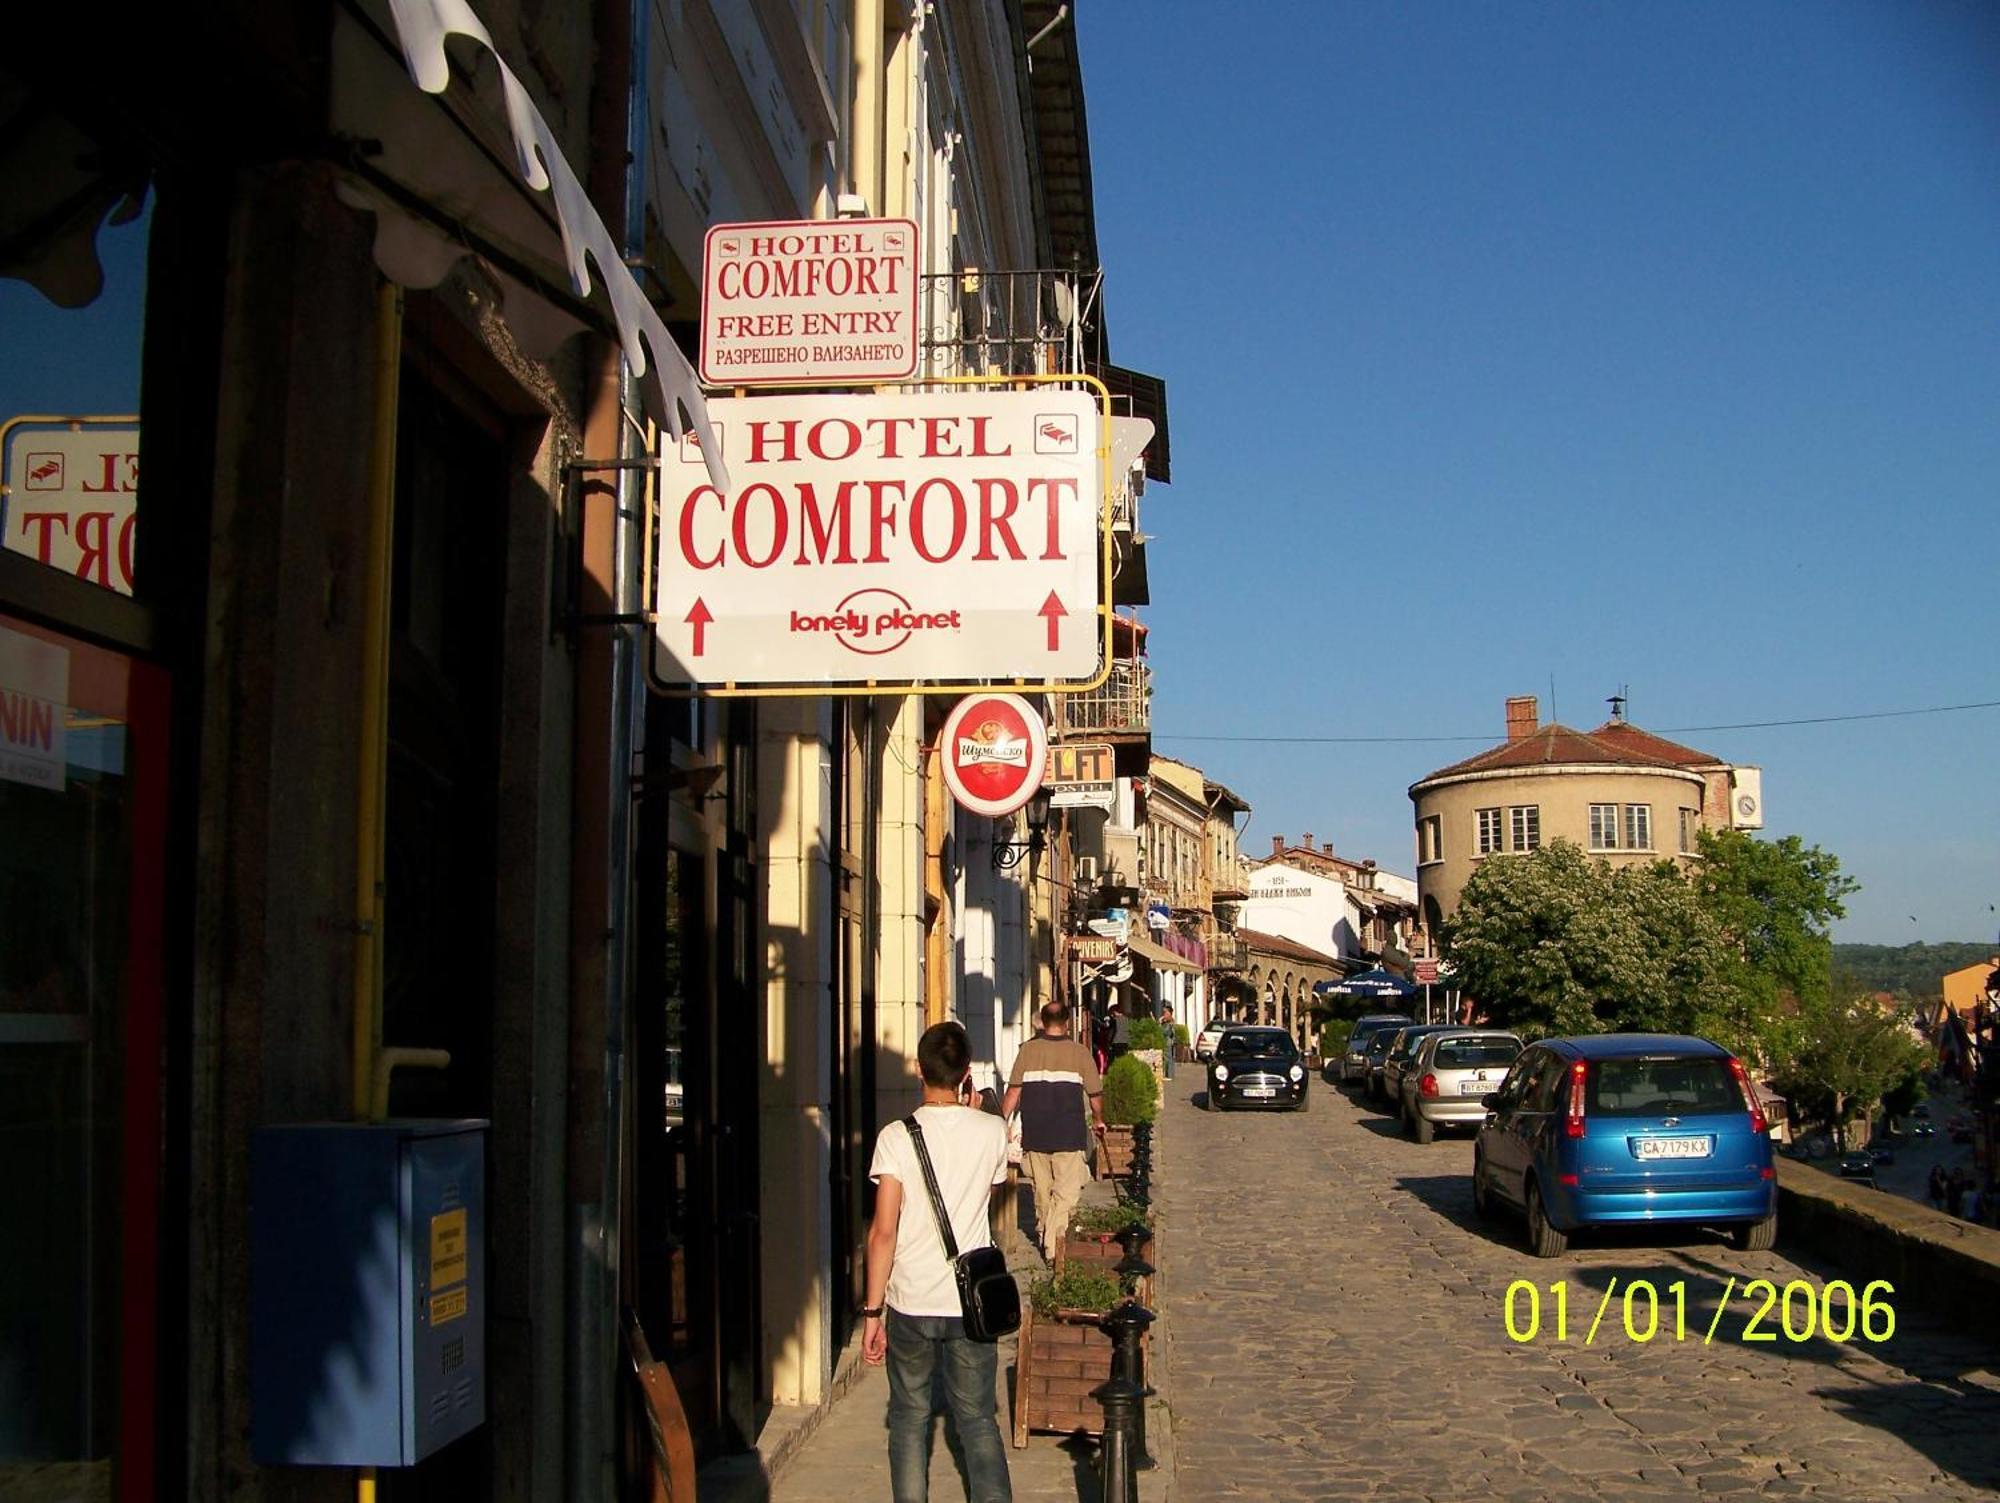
(809, 302)
(940, 539)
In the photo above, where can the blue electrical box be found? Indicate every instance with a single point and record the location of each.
(367, 1291)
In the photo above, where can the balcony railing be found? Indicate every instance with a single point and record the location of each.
(1008, 323)
(1226, 953)
(1123, 704)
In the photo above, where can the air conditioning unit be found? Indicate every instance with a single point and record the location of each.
(1086, 871)
(1746, 798)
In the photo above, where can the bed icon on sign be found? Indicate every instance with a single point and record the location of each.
(1055, 433)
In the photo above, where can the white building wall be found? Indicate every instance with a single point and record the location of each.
(1302, 906)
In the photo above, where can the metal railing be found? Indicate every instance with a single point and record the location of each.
(1008, 323)
(1123, 703)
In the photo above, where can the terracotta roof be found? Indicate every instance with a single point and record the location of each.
(1613, 744)
(1291, 949)
(1624, 733)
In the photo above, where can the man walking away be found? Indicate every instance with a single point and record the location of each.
(1054, 1077)
(913, 1316)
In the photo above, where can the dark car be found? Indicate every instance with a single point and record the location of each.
(1378, 1050)
(1628, 1127)
(1257, 1067)
(1354, 1058)
(1859, 1166)
(1882, 1153)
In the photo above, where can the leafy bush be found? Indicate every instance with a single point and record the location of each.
(1333, 1035)
(1146, 1033)
(1074, 1287)
(1181, 1035)
(1093, 1221)
(1131, 1093)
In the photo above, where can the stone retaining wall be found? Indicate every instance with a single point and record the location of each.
(1949, 1265)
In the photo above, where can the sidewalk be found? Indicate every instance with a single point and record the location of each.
(847, 1455)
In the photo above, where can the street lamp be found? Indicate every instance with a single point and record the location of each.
(1007, 853)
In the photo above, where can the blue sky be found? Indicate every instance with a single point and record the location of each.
(1596, 345)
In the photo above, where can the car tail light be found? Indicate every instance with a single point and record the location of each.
(1573, 1127)
(1428, 1086)
(1757, 1122)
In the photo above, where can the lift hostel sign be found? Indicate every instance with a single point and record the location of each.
(886, 541)
(809, 302)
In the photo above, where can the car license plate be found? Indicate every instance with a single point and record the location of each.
(1260, 1090)
(1472, 1088)
(1670, 1148)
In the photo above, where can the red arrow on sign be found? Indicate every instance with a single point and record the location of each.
(1052, 611)
(698, 618)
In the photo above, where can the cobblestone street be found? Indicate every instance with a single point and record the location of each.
(1336, 1317)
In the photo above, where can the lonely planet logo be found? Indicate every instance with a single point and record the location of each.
(874, 621)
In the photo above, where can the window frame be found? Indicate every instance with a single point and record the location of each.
(1632, 830)
(1524, 835)
(1598, 814)
(1489, 831)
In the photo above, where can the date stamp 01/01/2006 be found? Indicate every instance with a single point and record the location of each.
(1640, 1311)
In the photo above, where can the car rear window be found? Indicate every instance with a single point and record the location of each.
(1662, 1087)
(1473, 1054)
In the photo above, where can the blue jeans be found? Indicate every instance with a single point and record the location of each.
(920, 1347)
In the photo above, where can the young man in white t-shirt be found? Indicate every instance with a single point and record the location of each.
(913, 1316)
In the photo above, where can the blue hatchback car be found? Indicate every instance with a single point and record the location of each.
(1624, 1127)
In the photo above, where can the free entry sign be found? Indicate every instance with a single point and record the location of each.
(814, 302)
(935, 539)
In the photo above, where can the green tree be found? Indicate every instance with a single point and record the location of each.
(1776, 901)
(1554, 942)
(1851, 1055)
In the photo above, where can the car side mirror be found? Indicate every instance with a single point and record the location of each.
(1491, 1101)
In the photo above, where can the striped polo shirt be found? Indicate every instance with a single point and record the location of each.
(1055, 1076)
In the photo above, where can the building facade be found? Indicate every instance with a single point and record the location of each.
(1619, 793)
(343, 794)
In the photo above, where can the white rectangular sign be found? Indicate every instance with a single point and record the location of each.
(939, 538)
(72, 499)
(815, 302)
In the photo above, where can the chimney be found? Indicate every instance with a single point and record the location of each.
(1306, 840)
(1327, 846)
(1523, 717)
(1277, 845)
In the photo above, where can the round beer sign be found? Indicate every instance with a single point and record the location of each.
(995, 749)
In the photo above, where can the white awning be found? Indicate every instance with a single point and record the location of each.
(438, 191)
(1160, 957)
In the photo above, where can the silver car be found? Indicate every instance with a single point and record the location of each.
(1449, 1075)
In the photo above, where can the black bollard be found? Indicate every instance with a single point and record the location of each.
(1123, 1401)
(1131, 1266)
(1126, 1325)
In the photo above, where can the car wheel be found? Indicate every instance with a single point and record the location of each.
(1544, 1241)
(1756, 1236)
(1422, 1126)
(1305, 1103)
(1482, 1198)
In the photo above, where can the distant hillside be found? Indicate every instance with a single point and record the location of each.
(1910, 970)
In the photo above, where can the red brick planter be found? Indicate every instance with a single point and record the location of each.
(1114, 1154)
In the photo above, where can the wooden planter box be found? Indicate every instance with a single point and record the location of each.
(1060, 1358)
(1114, 1154)
(1098, 1250)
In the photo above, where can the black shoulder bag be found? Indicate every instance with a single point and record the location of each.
(987, 1292)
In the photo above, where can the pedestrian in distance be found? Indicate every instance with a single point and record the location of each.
(1936, 1187)
(1954, 1193)
(1053, 1082)
(914, 1319)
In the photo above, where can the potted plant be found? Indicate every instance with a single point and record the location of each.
(1148, 1041)
(1063, 1353)
(1131, 1096)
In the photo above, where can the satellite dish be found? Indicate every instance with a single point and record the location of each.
(1065, 301)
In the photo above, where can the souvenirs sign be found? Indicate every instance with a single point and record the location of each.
(994, 748)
